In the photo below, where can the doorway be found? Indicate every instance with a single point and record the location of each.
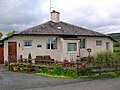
(12, 51)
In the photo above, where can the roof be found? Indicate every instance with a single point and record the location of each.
(59, 28)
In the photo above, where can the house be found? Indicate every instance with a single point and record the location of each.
(58, 39)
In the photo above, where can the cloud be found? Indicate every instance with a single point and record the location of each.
(19, 14)
(99, 15)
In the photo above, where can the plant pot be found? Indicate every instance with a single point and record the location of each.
(15, 68)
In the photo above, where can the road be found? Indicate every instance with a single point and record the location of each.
(23, 81)
(101, 84)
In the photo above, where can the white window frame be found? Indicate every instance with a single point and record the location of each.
(107, 45)
(52, 41)
(29, 43)
(82, 44)
(72, 50)
(98, 42)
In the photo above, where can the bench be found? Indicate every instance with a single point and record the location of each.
(46, 59)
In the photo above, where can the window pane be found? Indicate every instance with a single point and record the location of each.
(107, 45)
(98, 43)
(82, 43)
(28, 43)
(52, 43)
(72, 46)
(48, 43)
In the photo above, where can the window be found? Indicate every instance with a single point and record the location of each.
(72, 46)
(82, 43)
(52, 43)
(28, 43)
(107, 45)
(98, 43)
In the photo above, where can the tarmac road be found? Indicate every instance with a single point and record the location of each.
(23, 81)
(100, 84)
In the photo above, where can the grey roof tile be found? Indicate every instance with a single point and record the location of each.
(60, 28)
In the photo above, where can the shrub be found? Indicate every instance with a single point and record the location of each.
(86, 72)
(71, 73)
(84, 58)
(58, 70)
(29, 58)
(104, 58)
(44, 70)
(28, 65)
(20, 65)
(87, 58)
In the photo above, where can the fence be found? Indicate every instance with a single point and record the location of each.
(92, 67)
(100, 67)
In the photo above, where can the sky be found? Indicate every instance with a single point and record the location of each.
(99, 15)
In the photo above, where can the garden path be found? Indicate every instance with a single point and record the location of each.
(3, 68)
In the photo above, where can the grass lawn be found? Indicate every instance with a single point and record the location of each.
(116, 48)
(117, 53)
(112, 74)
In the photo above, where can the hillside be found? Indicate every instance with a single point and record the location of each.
(116, 36)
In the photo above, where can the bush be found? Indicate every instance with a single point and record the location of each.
(104, 58)
(28, 65)
(44, 70)
(71, 73)
(86, 72)
(84, 58)
(58, 70)
(87, 58)
(29, 58)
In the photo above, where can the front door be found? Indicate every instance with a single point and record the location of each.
(12, 51)
(1, 54)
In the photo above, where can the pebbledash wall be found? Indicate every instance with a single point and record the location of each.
(61, 53)
(90, 43)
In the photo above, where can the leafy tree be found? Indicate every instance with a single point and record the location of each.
(11, 33)
(1, 34)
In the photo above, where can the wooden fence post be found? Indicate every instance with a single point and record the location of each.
(116, 67)
(99, 71)
(77, 65)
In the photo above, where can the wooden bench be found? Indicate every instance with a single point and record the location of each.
(46, 59)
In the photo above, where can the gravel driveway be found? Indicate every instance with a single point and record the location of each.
(14, 81)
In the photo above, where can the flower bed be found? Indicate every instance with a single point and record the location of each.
(21, 67)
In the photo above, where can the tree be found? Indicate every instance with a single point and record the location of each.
(11, 33)
(1, 34)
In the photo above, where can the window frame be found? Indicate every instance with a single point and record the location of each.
(72, 50)
(27, 43)
(51, 43)
(98, 42)
(107, 45)
(82, 43)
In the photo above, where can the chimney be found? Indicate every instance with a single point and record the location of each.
(55, 16)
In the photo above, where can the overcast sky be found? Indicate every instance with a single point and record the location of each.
(100, 15)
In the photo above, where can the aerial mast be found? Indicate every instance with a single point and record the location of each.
(50, 8)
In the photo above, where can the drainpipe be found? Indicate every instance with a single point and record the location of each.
(79, 49)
